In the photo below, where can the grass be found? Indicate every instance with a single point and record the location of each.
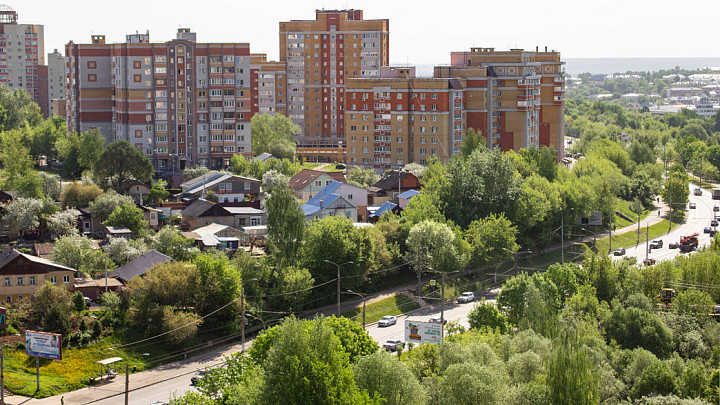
(631, 238)
(397, 304)
(628, 209)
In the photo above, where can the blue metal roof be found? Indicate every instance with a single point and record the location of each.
(409, 194)
(387, 206)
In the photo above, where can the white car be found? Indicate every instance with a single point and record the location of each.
(387, 320)
(393, 345)
(466, 297)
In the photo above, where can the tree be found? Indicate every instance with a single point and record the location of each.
(106, 203)
(274, 134)
(64, 223)
(693, 302)
(308, 366)
(51, 308)
(362, 177)
(273, 178)
(383, 376)
(157, 193)
(121, 163)
(128, 216)
(90, 148)
(78, 302)
(17, 109)
(676, 192)
(50, 185)
(44, 136)
(416, 169)
(487, 314)
(472, 383)
(16, 160)
(78, 252)
(78, 195)
(121, 251)
(285, 223)
(492, 239)
(572, 378)
(190, 173)
(22, 213)
(180, 326)
(169, 241)
(432, 244)
(473, 140)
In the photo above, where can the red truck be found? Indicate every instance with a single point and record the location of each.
(688, 243)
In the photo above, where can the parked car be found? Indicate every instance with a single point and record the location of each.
(199, 375)
(649, 261)
(393, 345)
(619, 252)
(88, 301)
(438, 320)
(387, 320)
(466, 297)
(714, 222)
(707, 229)
(693, 206)
(656, 244)
(716, 208)
(674, 245)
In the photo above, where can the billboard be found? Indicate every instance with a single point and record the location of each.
(595, 218)
(422, 332)
(41, 344)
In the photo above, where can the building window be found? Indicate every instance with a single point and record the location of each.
(137, 78)
(20, 281)
(53, 280)
(8, 282)
(136, 64)
(66, 279)
(138, 133)
(31, 280)
(91, 64)
(92, 78)
(8, 300)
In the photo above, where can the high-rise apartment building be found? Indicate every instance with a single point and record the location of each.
(22, 52)
(56, 80)
(398, 119)
(181, 102)
(516, 97)
(320, 55)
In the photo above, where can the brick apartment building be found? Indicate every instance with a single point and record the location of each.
(181, 102)
(320, 55)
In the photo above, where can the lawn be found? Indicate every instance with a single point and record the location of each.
(631, 238)
(628, 209)
(397, 304)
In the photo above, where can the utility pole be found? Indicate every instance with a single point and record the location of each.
(419, 291)
(37, 373)
(127, 382)
(106, 275)
(338, 282)
(442, 308)
(647, 241)
(562, 238)
(610, 228)
(670, 226)
(638, 231)
(242, 319)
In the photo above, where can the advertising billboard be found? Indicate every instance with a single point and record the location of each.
(41, 344)
(595, 218)
(422, 332)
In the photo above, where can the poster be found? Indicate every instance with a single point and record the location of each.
(41, 344)
(422, 332)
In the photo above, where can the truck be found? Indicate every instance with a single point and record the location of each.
(716, 194)
(666, 297)
(688, 243)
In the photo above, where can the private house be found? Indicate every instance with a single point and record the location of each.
(89, 225)
(217, 236)
(374, 213)
(202, 212)
(392, 184)
(226, 187)
(336, 199)
(138, 267)
(93, 288)
(138, 191)
(405, 197)
(22, 274)
(306, 183)
(43, 250)
(152, 216)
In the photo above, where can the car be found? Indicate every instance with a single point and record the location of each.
(656, 244)
(674, 245)
(649, 261)
(698, 191)
(199, 375)
(693, 206)
(716, 208)
(393, 345)
(714, 222)
(88, 301)
(438, 320)
(619, 252)
(387, 320)
(339, 166)
(577, 156)
(466, 297)
(707, 229)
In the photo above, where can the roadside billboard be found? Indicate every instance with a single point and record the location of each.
(45, 345)
(595, 218)
(422, 332)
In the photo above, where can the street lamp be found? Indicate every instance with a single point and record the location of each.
(338, 282)
(363, 296)
(442, 300)
(242, 314)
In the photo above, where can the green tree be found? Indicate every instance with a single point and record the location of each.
(121, 163)
(121, 251)
(432, 244)
(572, 378)
(78, 195)
(416, 169)
(487, 314)
(472, 383)
(362, 177)
(78, 302)
(44, 137)
(22, 213)
(492, 239)
(285, 223)
(383, 376)
(693, 302)
(169, 241)
(90, 148)
(190, 173)
(50, 185)
(106, 203)
(273, 178)
(128, 216)
(472, 141)
(18, 109)
(157, 193)
(78, 252)
(180, 326)
(52, 307)
(16, 160)
(274, 134)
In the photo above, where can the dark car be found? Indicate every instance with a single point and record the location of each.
(619, 252)
(198, 376)
(674, 245)
(714, 222)
(339, 166)
(649, 261)
(716, 208)
(656, 244)
(707, 229)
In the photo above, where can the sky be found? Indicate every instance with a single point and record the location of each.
(421, 31)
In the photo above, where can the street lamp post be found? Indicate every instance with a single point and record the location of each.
(338, 282)
(363, 296)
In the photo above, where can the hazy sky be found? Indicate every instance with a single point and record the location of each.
(421, 31)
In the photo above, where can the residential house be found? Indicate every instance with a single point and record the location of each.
(202, 212)
(334, 199)
(392, 184)
(117, 232)
(217, 236)
(92, 288)
(405, 197)
(139, 191)
(374, 213)
(22, 274)
(306, 183)
(226, 187)
(152, 216)
(139, 266)
(43, 250)
(90, 225)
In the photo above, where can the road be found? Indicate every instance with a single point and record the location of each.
(695, 220)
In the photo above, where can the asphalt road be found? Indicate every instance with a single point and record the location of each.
(695, 220)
